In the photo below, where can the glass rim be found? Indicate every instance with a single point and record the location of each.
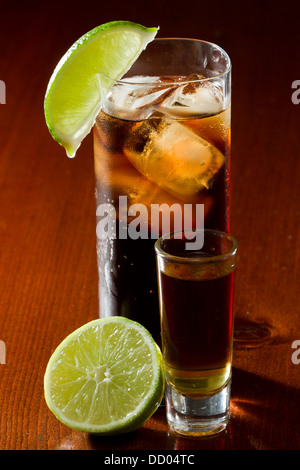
(123, 81)
(197, 260)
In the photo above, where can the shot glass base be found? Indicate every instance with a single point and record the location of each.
(198, 416)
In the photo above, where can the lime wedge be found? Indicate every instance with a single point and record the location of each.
(107, 377)
(73, 96)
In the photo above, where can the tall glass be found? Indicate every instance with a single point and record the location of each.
(162, 162)
(196, 306)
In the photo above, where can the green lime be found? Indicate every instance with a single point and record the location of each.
(73, 96)
(107, 377)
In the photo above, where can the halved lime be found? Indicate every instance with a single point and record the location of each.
(73, 96)
(107, 377)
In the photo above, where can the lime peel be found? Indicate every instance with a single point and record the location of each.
(107, 377)
(73, 96)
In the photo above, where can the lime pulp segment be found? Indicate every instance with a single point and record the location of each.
(73, 95)
(106, 378)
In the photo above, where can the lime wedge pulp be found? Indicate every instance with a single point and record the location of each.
(73, 96)
(107, 377)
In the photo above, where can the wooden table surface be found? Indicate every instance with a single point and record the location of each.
(48, 274)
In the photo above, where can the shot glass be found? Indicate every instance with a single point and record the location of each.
(196, 288)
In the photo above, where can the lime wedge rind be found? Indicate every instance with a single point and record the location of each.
(73, 96)
(69, 377)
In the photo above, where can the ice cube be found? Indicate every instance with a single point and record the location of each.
(197, 97)
(135, 98)
(174, 157)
